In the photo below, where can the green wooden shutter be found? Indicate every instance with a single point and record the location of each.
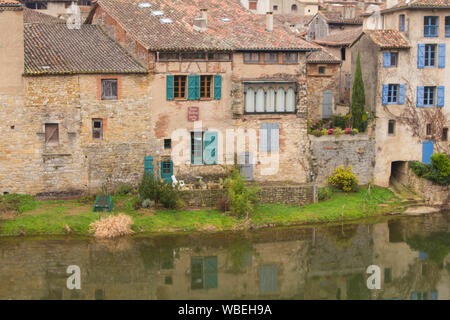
(211, 273)
(210, 147)
(194, 87)
(148, 165)
(197, 273)
(169, 87)
(218, 87)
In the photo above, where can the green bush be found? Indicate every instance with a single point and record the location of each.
(18, 203)
(342, 122)
(148, 188)
(242, 198)
(170, 197)
(438, 171)
(325, 193)
(344, 179)
(419, 168)
(124, 189)
(159, 191)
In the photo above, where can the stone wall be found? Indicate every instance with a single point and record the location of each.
(289, 194)
(330, 152)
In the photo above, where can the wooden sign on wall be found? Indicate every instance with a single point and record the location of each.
(193, 114)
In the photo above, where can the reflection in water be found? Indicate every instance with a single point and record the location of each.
(292, 263)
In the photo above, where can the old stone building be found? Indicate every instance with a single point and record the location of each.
(406, 78)
(295, 7)
(103, 103)
(327, 22)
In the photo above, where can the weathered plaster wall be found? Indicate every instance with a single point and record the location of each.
(330, 152)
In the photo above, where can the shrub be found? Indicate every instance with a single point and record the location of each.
(340, 121)
(18, 203)
(338, 132)
(242, 198)
(438, 171)
(344, 179)
(124, 189)
(419, 168)
(112, 226)
(325, 193)
(324, 132)
(159, 191)
(317, 133)
(169, 196)
(148, 188)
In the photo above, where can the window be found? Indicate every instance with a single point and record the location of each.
(193, 56)
(179, 87)
(390, 59)
(343, 54)
(429, 96)
(251, 57)
(219, 56)
(294, 8)
(51, 133)
(271, 57)
(36, 5)
(97, 129)
(167, 143)
(275, 8)
(268, 279)
(401, 23)
(205, 86)
(428, 129)
(393, 93)
(169, 56)
(196, 147)
(269, 134)
(387, 275)
(84, 2)
(322, 70)
(109, 89)
(270, 98)
(430, 26)
(394, 59)
(204, 273)
(252, 4)
(447, 26)
(290, 57)
(391, 127)
(430, 55)
(204, 147)
(444, 134)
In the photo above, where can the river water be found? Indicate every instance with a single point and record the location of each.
(324, 262)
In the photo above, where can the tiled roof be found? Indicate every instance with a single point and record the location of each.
(293, 18)
(56, 49)
(322, 56)
(241, 30)
(34, 16)
(388, 39)
(340, 38)
(337, 18)
(417, 4)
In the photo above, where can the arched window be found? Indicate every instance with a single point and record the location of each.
(294, 8)
(290, 100)
(260, 100)
(250, 100)
(280, 100)
(270, 100)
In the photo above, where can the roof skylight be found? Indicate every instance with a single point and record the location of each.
(165, 20)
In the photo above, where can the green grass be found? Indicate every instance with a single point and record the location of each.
(51, 217)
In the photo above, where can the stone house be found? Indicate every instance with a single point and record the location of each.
(103, 103)
(327, 22)
(406, 80)
(296, 7)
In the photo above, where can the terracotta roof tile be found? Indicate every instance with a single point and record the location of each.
(34, 16)
(340, 38)
(416, 4)
(55, 49)
(243, 30)
(337, 18)
(322, 56)
(388, 39)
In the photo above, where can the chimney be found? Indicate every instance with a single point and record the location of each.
(269, 21)
(201, 24)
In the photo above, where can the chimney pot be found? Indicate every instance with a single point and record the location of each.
(269, 21)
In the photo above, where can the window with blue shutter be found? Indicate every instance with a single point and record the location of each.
(401, 99)
(392, 97)
(211, 147)
(218, 87)
(440, 96)
(430, 55)
(429, 96)
(402, 23)
(148, 165)
(420, 96)
(384, 96)
(197, 147)
(269, 137)
(420, 55)
(427, 151)
(386, 59)
(193, 87)
(430, 26)
(166, 171)
(169, 87)
(204, 273)
(442, 55)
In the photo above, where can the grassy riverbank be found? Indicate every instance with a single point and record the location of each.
(73, 216)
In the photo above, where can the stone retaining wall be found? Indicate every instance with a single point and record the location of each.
(294, 195)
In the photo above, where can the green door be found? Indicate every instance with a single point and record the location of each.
(166, 171)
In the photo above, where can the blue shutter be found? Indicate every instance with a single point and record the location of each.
(401, 99)
(148, 165)
(263, 137)
(386, 59)
(440, 96)
(274, 137)
(169, 87)
(194, 87)
(420, 55)
(419, 98)
(210, 149)
(434, 295)
(217, 87)
(427, 151)
(211, 273)
(442, 55)
(384, 96)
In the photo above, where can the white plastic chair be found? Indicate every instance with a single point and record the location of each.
(175, 182)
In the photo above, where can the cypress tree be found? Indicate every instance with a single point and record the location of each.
(358, 98)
